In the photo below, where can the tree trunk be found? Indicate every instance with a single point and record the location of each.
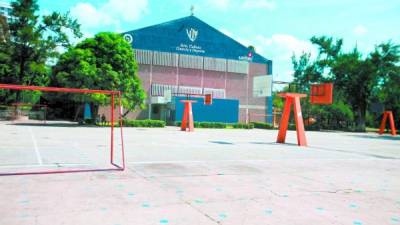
(78, 110)
(20, 75)
(95, 112)
(360, 119)
(126, 113)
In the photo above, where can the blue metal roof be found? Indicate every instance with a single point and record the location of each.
(190, 35)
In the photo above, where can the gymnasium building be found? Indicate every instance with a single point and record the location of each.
(188, 56)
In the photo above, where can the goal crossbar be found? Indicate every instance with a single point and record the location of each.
(57, 89)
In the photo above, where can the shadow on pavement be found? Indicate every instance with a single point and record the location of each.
(378, 137)
(222, 142)
(352, 152)
(53, 125)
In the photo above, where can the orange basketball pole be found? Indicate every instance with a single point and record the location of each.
(187, 118)
(292, 98)
(387, 114)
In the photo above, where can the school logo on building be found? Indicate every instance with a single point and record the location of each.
(192, 34)
(128, 38)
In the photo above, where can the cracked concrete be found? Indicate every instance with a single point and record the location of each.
(183, 178)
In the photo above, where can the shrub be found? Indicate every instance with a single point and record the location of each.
(338, 116)
(243, 126)
(89, 121)
(206, 124)
(218, 125)
(136, 123)
(373, 119)
(144, 123)
(261, 125)
(106, 124)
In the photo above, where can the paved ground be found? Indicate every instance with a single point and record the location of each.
(205, 177)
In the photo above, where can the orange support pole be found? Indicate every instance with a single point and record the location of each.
(387, 114)
(292, 98)
(187, 118)
(284, 121)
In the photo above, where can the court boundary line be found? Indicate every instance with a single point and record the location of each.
(36, 148)
(245, 161)
(60, 165)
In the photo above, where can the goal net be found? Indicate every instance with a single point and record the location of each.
(59, 130)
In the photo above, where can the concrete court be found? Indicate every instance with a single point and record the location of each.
(205, 177)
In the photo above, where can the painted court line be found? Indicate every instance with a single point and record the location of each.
(243, 161)
(37, 152)
(43, 165)
(192, 161)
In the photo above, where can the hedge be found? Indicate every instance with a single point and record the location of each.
(206, 125)
(143, 123)
(219, 125)
(136, 123)
(261, 125)
(243, 126)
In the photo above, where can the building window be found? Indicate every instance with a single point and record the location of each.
(214, 64)
(192, 62)
(143, 56)
(235, 66)
(165, 59)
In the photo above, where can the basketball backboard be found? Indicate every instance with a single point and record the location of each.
(262, 86)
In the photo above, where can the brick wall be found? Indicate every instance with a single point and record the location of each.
(256, 69)
(236, 86)
(164, 75)
(214, 79)
(189, 77)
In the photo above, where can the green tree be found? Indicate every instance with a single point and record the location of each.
(4, 29)
(305, 72)
(252, 48)
(104, 62)
(5, 58)
(357, 79)
(386, 57)
(33, 41)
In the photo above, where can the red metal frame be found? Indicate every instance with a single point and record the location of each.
(292, 99)
(388, 115)
(187, 118)
(207, 97)
(116, 167)
(55, 89)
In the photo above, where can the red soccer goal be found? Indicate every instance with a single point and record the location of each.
(56, 141)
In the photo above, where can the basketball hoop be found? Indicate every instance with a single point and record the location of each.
(208, 99)
(321, 94)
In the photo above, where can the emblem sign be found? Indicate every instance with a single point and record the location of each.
(192, 34)
(128, 38)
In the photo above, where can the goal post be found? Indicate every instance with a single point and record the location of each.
(115, 142)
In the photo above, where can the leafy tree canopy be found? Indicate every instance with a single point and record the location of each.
(33, 40)
(105, 62)
(4, 30)
(357, 79)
